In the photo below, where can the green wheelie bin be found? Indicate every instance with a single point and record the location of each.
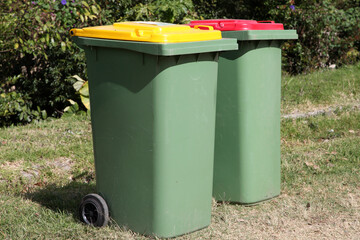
(247, 138)
(152, 91)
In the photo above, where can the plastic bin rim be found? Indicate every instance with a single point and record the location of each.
(250, 35)
(161, 49)
(239, 24)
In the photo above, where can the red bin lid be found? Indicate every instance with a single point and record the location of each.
(237, 24)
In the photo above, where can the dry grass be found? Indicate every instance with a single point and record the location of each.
(287, 217)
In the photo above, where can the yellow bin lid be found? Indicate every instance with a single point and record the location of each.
(149, 32)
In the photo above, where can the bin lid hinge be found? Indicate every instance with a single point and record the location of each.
(177, 58)
(216, 56)
(197, 57)
(94, 49)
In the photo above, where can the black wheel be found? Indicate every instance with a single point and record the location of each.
(94, 210)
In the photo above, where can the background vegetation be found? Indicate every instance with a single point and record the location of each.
(38, 59)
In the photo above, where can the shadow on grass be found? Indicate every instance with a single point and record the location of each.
(64, 199)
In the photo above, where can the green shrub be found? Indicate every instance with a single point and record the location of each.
(327, 32)
(116, 8)
(177, 11)
(38, 50)
(239, 9)
(16, 108)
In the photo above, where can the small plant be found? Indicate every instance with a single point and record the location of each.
(16, 108)
(82, 88)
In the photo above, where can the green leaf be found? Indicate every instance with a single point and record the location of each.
(84, 90)
(17, 107)
(37, 17)
(16, 45)
(77, 85)
(63, 46)
(67, 109)
(87, 13)
(79, 79)
(72, 102)
(76, 107)
(43, 114)
(94, 9)
(85, 3)
(85, 101)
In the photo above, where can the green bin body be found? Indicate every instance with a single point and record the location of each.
(153, 122)
(247, 138)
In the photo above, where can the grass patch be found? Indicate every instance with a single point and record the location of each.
(344, 123)
(320, 89)
(321, 155)
(45, 170)
(22, 218)
(47, 167)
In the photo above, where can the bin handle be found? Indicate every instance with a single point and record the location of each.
(140, 33)
(74, 31)
(266, 21)
(203, 26)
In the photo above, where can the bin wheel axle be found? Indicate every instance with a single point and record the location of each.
(94, 210)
